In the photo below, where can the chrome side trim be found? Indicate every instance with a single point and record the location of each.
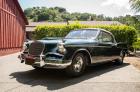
(87, 46)
(101, 59)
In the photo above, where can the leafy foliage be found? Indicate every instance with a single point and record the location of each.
(136, 45)
(59, 14)
(122, 33)
(135, 4)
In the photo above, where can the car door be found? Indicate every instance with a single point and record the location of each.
(105, 46)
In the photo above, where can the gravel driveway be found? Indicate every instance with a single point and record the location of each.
(17, 77)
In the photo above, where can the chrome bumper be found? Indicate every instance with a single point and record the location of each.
(53, 65)
(49, 63)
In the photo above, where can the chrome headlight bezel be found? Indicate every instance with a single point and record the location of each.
(61, 48)
(25, 48)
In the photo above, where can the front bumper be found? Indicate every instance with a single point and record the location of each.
(53, 65)
(47, 63)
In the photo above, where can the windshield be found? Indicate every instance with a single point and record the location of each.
(86, 33)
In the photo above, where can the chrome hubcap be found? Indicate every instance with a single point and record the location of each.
(78, 65)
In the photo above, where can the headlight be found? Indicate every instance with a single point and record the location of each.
(25, 48)
(61, 48)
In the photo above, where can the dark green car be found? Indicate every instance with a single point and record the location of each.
(73, 53)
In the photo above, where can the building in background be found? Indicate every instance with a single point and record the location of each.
(12, 26)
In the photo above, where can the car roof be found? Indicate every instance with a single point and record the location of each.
(99, 29)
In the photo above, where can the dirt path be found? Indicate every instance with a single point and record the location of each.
(135, 61)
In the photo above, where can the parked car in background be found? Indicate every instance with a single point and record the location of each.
(73, 53)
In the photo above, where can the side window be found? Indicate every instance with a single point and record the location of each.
(105, 37)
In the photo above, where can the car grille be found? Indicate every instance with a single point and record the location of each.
(36, 48)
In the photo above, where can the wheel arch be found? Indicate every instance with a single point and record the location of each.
(85, 52)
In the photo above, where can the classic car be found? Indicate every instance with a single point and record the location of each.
(74, 52)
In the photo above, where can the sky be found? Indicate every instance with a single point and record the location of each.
(112, 8)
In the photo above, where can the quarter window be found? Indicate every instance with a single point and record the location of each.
(105, 37)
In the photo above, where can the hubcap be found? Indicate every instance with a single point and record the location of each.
(78, 64)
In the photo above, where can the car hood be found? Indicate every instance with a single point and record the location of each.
(54, 41)
(69, 41)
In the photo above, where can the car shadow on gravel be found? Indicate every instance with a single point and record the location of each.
(56, 79)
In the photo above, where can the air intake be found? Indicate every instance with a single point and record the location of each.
(36, 48)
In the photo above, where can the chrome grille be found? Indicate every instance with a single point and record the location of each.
(36, 48)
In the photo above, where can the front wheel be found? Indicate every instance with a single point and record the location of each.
(120, 60)
(78, 65)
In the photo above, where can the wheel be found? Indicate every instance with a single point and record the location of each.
(78, 65)
(120, 60)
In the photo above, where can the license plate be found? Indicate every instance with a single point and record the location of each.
(30, 60)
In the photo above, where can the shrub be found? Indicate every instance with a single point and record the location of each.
(122, 33)
(136, 45)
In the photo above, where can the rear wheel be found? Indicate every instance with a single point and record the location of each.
(78, 65)
(120, 60)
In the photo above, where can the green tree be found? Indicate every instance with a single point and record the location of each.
(60, 9)
(28, 12)
(84, 16)
(135, 4)
(136, 46)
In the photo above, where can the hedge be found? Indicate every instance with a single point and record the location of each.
(136, 45)
(122, 33)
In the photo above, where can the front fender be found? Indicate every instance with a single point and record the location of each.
(72, 52)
